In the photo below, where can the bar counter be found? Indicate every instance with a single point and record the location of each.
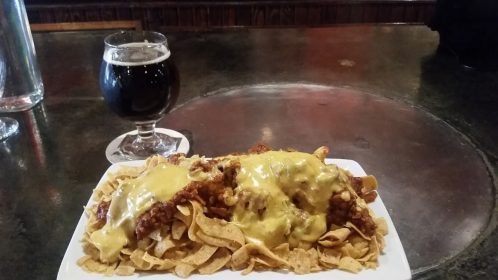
(380, 95)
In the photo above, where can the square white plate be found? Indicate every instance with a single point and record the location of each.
(393, 264)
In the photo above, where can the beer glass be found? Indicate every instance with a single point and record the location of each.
(8, 126)
(140, 83)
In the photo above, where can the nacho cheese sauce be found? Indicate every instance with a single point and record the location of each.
(283, 197)
(135, 196)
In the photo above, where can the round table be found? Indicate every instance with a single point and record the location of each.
(434, 183)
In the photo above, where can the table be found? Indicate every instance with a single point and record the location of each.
(375, 94)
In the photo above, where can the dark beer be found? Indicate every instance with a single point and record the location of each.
(139, 85)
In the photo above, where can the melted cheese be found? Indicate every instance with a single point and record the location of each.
(283, 197)
(134, 197)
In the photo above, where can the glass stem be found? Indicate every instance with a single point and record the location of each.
(146, 132)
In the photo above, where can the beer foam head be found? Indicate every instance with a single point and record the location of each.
(136, 54)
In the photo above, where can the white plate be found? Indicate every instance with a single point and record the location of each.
(392, 263)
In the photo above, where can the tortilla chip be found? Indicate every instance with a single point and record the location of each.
(313, 253)
(371, 265)
(328, 243)
(166, 264)
(350, 264)
(106, 188)
(102, 267)
(184, 209)
(369, 183)
(137, 258)
(363, 252)
(304, 245)
(91, 250)
(159, 233)
(300, 261)
(144, 243)
(184, 270)
(92, 265)
(218, 242)
(216, 262)
(266, 261)
(152, 260)
(86, 269)
(329, 256)
(338, 234)
(83, 259)
(241, 256)
(374, 249)
(334, 227)
(220, 228)
(163, 245)
(124, 270)
(352, 251)
(380, 240)
(381, 225)
(249, 268)
(127, 172)
(197, 209)
(201, 256)
(127, 251)
(321, 153)
(185, 219)
(282, 250)
(373, 252)
(177, 229)
(357, 241)
(110, 270)
(350, 225)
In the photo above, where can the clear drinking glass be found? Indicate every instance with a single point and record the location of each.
(140, 83)
(23, 85)
(8, 126)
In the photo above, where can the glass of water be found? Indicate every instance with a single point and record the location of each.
(8, 126)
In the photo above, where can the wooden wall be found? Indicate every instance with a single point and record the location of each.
(215, 14)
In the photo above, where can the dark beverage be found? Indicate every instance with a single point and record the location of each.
(139, 85)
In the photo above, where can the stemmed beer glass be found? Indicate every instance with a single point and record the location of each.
(140, 83)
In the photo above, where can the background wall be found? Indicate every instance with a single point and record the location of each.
(213, 14)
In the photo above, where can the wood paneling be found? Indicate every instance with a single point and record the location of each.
(43, 27)
(198, 15)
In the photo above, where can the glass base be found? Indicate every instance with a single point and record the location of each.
(21, 103)
(8, 127)
(114, 154)
(162, 145)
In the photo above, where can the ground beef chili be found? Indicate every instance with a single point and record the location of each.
(175, 158)
(357, 184)
(341, 211)
(230, 174)
(209, 193)
(369, 196)
(203, 166)
(338, 211)
(259, 149)
(102, 210)
(363, 221)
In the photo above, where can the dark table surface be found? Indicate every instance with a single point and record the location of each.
(377, 94)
